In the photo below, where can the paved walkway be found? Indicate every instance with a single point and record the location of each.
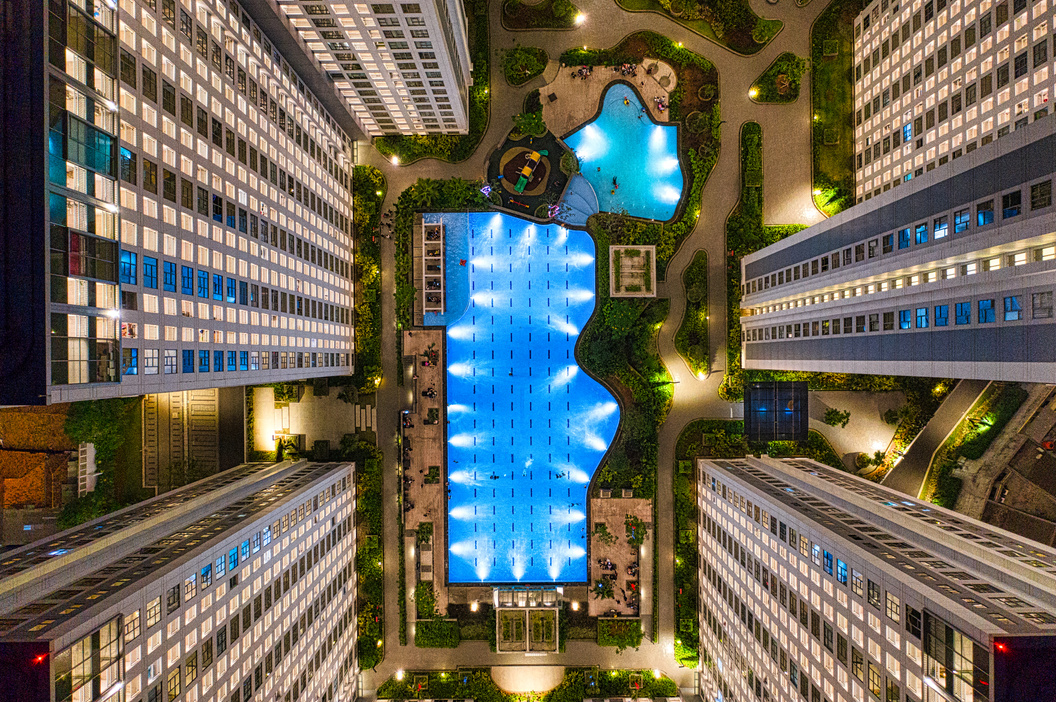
(787, 199)
(908, 476)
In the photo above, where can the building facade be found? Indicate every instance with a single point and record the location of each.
(934, 80)
(177, 202)
(238, 587)
(819, 585)
(951, 275)
(404, 68)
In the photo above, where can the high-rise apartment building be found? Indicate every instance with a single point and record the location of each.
(238, 587)
(934, 80)
(176, 204)
(819, 585)
(403, 67)
(951, 275)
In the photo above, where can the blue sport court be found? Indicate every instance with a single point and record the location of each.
(526, 426)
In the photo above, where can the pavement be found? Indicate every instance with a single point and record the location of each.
(908, 476)
(787, 200)
(866, 431)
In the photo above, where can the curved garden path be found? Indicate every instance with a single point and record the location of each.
(787, 199)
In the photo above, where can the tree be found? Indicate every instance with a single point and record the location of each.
(563, 9)
(635, 530)
(529, 123)
(836, 418)
(603, 590)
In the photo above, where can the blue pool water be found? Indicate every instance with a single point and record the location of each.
(526, 426)
(641, 154)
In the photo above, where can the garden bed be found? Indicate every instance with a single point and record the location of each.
(548, 14)
(780, 82)
(368, 186)
(522, 63)
(691, 339)
(832, 100)
(730, 23)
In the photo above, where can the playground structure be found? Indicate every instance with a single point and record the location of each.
(529, 169)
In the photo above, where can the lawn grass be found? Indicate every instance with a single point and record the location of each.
(832, 100)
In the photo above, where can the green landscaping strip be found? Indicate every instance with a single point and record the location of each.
(780, 82)
(691, 338)
(731, 24)
(549, 14)
(832, 102)
(368, 186)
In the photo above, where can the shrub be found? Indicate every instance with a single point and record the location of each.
(437, 633)
(836, 418)
(997, 415)
(522, 63)
(621, 633)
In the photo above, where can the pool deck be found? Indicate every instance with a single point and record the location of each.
(427, 442)
(579, 99)
(613, 512)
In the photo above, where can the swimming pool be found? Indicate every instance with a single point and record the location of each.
(526, 426)
(624, 143)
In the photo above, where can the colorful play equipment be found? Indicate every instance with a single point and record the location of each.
(529, 169)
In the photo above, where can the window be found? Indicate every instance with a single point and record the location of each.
(188, 360)
(922, 318)
(207, 571)
(941, 228)
(1013, 310)
(903, 238)
(172, 599)
(904, 319)
(129, 361)
(942, 315)
(841, 572)
(150, 361)
(132, 627)
(127, 271)
(888, 243)
(153, 612)
(894, 607)
(828, 562)
(203, 361)
(857, 664)
(187, 280)
(1010, 204)
(960, 220)
(964, 313)
(174, 683)
(874, 594)
(169, 276)
(150, 272)
(1041, 195)
(922, 233)
(986, 311)
(203, 284)
(1041, 304)
(984, 213)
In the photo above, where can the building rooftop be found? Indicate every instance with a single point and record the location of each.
(188, 519)
(983, 571)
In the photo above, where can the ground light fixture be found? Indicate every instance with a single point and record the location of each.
(399, 674)
(752, 93)
(580, 18)
(575, 605)
(474, 606)
(395, 160)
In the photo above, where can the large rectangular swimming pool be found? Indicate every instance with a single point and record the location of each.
(526, 426)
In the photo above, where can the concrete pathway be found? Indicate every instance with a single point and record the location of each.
(866, 432)
(787, 199)
(908, 476)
